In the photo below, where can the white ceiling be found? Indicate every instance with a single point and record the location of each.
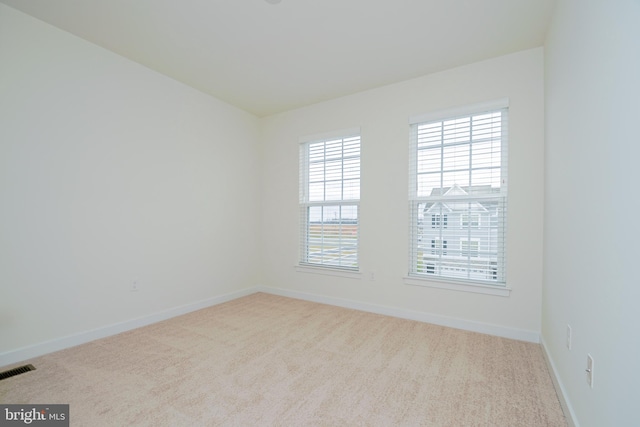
(267, 58)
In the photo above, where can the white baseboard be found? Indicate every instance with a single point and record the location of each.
(24, 353)
(572, 421)
(452, 322)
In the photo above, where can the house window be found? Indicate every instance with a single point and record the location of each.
(458, 175)
(330, 201)
(438, 220)
(470, 220)
(469, 248)
(438, 247)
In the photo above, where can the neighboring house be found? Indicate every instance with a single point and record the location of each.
(459, 235)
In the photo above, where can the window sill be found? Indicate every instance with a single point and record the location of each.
(328, 271)
(501, 291)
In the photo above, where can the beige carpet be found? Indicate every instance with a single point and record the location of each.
(265, 360)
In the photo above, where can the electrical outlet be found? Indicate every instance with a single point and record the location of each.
(589, 370)
(134, 286)
(569, 337)
(372, 276)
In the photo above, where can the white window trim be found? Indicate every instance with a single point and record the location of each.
(498, 289)
(459, 111)
(453, 285)
(328, 269)
(344, 133)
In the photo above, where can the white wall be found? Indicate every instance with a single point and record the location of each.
(109, 173)
(383, 116)
(592, 60)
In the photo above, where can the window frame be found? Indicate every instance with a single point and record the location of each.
(496, 284)
(348, 232)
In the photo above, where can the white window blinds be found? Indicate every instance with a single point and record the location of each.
(458, 195)
(329, 201)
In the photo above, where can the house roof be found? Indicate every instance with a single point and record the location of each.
(469, 190)
(460, 206)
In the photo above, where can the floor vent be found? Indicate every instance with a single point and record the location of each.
(16, 371)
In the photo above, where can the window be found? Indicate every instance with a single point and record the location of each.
(458, 175)
(329, 201)
(436, 221)
(470, 220)
(469, 247)
(438, 247)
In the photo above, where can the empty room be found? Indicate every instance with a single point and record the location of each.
(328, 213)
